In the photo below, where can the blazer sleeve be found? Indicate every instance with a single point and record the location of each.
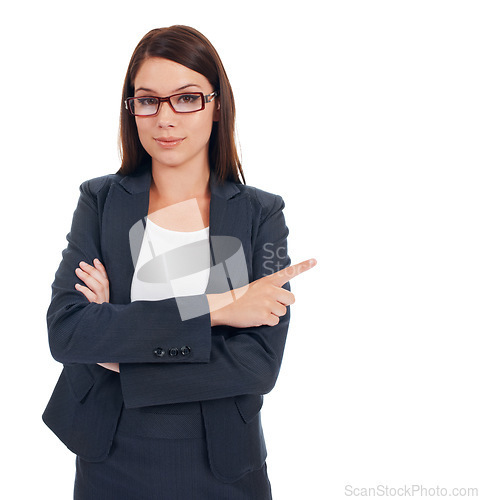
(242, 361)
(89, 333)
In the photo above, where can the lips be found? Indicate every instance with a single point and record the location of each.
(169, 142)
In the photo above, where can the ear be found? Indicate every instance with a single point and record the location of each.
(216, 112)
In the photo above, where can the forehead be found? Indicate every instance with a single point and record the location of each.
(164, 76)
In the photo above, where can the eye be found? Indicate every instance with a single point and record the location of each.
(188, 98)
(147, 101)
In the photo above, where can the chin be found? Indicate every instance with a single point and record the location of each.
(169, 160)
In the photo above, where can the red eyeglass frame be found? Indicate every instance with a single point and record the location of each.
(204, 99)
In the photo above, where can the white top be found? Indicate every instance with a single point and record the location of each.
(160, 273)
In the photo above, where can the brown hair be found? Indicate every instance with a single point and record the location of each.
(189, 48)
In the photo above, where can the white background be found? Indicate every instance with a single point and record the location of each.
(364, 116)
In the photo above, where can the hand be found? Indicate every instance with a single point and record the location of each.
(261, 302)
(96, 279)
(98, 290)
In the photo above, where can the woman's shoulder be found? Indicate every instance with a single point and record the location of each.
(266, 201)
(96, 184)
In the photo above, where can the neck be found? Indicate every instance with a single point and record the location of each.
(179, 184)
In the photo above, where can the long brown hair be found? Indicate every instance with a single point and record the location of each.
(188, 47)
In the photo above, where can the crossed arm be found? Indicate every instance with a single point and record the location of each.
(259, 303)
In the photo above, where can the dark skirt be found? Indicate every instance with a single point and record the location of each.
(159, 453)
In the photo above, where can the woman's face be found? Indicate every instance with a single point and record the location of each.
(174, 139)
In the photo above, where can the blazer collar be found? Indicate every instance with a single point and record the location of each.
(141, 181)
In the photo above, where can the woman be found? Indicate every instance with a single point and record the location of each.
(178, 326)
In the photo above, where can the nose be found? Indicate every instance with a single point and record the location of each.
(165, 116)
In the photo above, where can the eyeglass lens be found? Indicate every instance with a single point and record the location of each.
(182, 103)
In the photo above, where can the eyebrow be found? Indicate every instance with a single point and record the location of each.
(177, 90)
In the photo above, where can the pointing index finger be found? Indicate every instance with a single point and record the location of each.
(281, 277)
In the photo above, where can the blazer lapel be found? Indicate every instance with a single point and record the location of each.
(125, 212)
(230, 237)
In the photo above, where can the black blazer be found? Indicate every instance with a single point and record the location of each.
(227, 369)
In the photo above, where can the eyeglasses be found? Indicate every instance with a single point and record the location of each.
(180, 103)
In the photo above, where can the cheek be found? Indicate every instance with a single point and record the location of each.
(202, 128)
(141, 126)
(144, 131)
